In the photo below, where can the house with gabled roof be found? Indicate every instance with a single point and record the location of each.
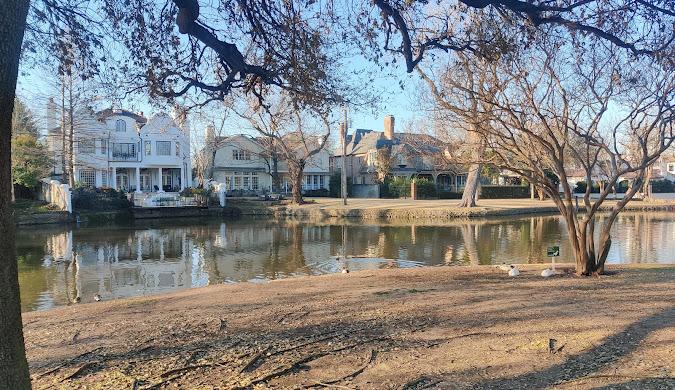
(126, 151)
(410, 154)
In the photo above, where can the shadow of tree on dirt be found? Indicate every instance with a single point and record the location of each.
(594, 360)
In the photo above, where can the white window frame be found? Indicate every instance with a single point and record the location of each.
(148, 147)
(120, 126)
(87, 146)
(87, 177)
(163, 144)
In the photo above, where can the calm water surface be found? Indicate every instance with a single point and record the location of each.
(57, 264)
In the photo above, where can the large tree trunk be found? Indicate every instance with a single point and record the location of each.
(471, 188)
(276, 179)
(71, 131)
(13, 364)
(295, 170)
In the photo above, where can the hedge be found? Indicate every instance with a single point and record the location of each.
(321, 192)
(99, 199)
(504, 192)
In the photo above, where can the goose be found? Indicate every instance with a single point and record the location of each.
(97, 298)
(77, 299)
(345, 270)
(505, 267)
(514, 271)
(548, 272)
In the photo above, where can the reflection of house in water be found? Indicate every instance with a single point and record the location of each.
(133, 263)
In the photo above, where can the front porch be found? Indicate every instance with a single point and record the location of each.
(148, 180)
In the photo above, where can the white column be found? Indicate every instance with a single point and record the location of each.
(113, 179)
(138, 180)
(182, 179)
(159, 172)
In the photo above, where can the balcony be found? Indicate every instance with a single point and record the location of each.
(124, 152)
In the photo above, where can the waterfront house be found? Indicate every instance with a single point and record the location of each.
(246, 165)
(125, 151)
(410, 155)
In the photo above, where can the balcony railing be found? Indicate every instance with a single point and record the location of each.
(125, 156)
(124, 152)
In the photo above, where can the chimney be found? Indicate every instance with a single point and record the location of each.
(52, 114)
(210, 135)
(389, 127)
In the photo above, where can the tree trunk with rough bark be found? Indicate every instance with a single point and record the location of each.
(295, 170)
(276, 179)
(13, 364)
(470, 193)
(71, 131)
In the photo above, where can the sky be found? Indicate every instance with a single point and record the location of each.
(35, 85)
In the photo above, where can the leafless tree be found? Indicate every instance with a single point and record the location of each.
(463, 112)
(550, 111)
(299, 134)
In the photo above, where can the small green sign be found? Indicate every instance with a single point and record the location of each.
(553, 251)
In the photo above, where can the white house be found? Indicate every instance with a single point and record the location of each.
(126, 151)
(244, 163)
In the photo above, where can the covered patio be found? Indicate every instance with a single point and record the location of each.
(136, 179)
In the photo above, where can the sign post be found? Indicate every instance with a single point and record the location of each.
(553, 252)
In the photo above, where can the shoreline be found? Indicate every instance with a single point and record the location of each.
(399, 325)
(330, 208)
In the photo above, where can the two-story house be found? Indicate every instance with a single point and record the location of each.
(126, 151)
(409, 154)
(248, 164)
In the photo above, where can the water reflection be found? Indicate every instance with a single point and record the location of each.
(56, 265)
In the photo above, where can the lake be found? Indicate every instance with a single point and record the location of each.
(58, 264)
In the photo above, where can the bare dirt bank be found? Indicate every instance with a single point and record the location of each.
(449, 328)
(407, 209)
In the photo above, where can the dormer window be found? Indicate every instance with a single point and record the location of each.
(120, 126)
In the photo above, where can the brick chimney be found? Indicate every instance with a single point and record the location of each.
(389, 127)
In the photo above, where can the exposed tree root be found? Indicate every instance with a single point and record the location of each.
(369, 361)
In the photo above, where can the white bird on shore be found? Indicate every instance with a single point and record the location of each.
(345, 270)
(548, 272)
(97, 298)
(505, 267)
(514, 271)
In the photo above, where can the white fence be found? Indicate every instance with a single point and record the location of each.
(54, 192)
(164, 199)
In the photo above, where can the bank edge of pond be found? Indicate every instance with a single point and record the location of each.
(247, 208)
(310, 211)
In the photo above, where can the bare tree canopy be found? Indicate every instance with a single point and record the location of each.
(553, 109)
(415, 29)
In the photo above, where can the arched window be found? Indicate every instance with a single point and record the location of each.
(120, 125)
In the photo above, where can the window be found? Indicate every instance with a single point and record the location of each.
(104, 146)
(240, 154)
(321, 182)
(254, 180)
(148, 148)
(87, 146)
(177, 149)
(120, 126)
(461, 181)
(104, 178)
(247, 181)
(88, 177)
(164, 148)
(237, 182)
(124, 151)
(167, 180)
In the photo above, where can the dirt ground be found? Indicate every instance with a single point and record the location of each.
(435, 327)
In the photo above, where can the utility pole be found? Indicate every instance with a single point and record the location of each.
(343, 171)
